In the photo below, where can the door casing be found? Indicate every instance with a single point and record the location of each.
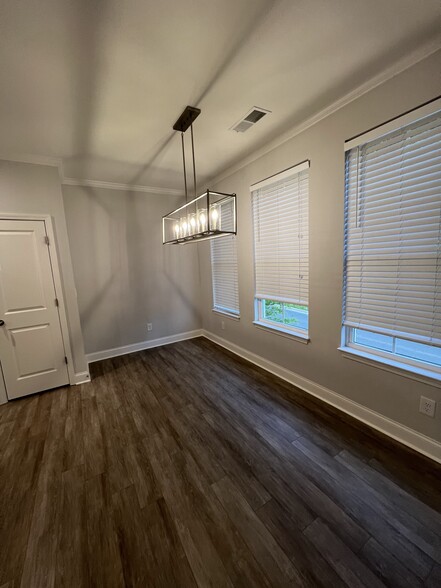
(53, 255)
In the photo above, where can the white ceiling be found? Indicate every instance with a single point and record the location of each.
(99, 83)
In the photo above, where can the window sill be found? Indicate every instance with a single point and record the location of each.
(396, 367)
(235, 317)
(282, 332)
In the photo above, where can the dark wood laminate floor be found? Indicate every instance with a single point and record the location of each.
(187, 466)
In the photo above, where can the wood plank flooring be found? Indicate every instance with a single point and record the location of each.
(186, 466)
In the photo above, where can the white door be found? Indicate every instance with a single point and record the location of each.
(31, 344)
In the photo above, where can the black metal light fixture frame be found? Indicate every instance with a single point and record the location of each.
(207, 216)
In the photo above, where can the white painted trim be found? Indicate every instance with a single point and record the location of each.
(389, 365)
(123, 187)
(377, 80)
(395, 124)
(283, 175)
(56, 274)
(3, 395)
(417, 441)
(226, 314)
(81, 378)
(274, 329)
(403, 64)
(33, 159)
(116, 351)
(58, 163)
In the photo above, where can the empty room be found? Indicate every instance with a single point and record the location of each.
(220, 293)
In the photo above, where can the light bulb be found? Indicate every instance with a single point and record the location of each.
(202, 220)
(176, 230)
(192, 223)
(215, 217)
(183, 227)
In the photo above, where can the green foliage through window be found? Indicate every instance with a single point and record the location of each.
(285, 313)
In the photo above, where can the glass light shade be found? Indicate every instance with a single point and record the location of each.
(183, 226)
(211, 215)
(202, 220)
(192, 224)
(215, 217)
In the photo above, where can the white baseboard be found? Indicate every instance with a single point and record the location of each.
(81, 378)
(108, 353)
(417, 441)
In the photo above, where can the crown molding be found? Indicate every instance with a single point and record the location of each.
(387, 74)
(122, 187)
(58, 163)
(33, 159)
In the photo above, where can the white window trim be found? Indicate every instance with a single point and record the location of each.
(396, 367)
(227, 313)
(407, 367)
(285, 330)
(295, 169)
(420, 368)
(272, 328)
(259, 321)
(395, 124)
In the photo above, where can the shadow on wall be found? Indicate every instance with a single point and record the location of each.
(149, 266)
(236, 45)
(89, 269)
(87, 18)
(87, 39)
(341, 87)
(125, 276)
(171, 270)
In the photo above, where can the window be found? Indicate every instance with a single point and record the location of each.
(224, 271)
(280, 222)
(392, 286)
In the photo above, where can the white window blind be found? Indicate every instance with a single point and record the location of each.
(224, 270)
(393, 233)
(281, 236)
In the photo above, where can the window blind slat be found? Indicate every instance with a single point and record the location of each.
(392, 247)
(281, 239)
(224, 271)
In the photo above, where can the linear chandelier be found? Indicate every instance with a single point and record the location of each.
(207, 216)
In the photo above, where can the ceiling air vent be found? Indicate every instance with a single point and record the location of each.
(250, 119)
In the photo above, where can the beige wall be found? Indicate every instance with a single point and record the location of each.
(392, 395)
(124, 276)
(36, 189)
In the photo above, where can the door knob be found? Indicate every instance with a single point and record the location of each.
(2, 323)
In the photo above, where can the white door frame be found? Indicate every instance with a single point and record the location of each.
(53, 256)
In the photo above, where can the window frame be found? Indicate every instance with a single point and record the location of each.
(405, 362)
(407, 366)
(260, 321)
(225, 312)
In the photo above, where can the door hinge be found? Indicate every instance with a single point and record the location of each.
(46, 239)
(65, 360)
(56, 302)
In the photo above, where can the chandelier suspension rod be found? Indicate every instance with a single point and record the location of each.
(185, 170)
(194, 164)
